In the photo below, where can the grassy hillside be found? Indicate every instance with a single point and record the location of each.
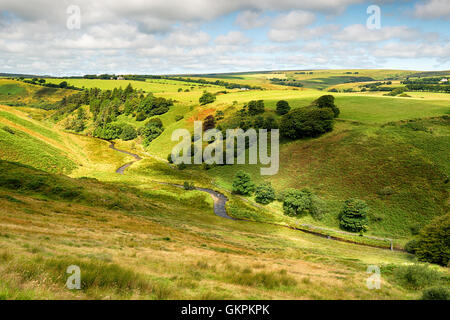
(164, 243)
(17, 93)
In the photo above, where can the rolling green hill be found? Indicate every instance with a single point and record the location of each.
(62, 202)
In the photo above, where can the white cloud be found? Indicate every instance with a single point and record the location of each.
(360, 33)
(251, 20)
(433, 9)
(291, 26)
(232, 38)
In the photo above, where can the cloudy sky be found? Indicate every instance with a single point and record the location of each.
(76, 37)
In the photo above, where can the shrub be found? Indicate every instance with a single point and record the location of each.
(242, 183)
(188, 185)
(296, 202)
(283, 107)
(141, 116)
(128, 133)
(8, 129)
(436, 293)
(411, 246)
(207, 98)
(152, 129)
(353, 216)
(255, 107)
(434, 241)
(416, 276)
(265, 193)
(306, 122)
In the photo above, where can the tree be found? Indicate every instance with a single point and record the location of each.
(306, 122)
(265, 193)
(209, 123)
(434, 241)
(242, 184)
(128, 133)
(255, 107)
(327, 101)
(152, 129)
(63, 85)
(296, 202)
(207, 98)
(283, 107)
(353, 216)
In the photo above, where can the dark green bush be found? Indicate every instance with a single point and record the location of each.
(434, 241)
(265, 193)
(242, 183)
(327, 101)
(207, 98)
(283, 107)
(411, 246)
(436, 293)
(297, 202)
(306, 122)
(128, 133)
(353, 216)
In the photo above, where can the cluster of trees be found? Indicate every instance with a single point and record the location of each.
(310, 121)
(152, 130)
(300, 202)
(295, 202)
(207, 98)
(428, 87)
(44, 83)
(222, 83)
(423, 81)
(106, 105)
(286, 82)
(243, 185)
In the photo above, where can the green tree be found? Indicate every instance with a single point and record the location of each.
(207, 98)
(63, 85)
(255, 107)
(242, 184)
(128, 133)
(306, 122)
(265, 193)
(433, 243)
(327, 101)
(296, 202)
(283, 107)
(353, 216)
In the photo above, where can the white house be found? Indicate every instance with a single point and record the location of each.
(444, 80)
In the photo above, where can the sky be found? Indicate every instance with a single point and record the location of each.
(77, 37)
